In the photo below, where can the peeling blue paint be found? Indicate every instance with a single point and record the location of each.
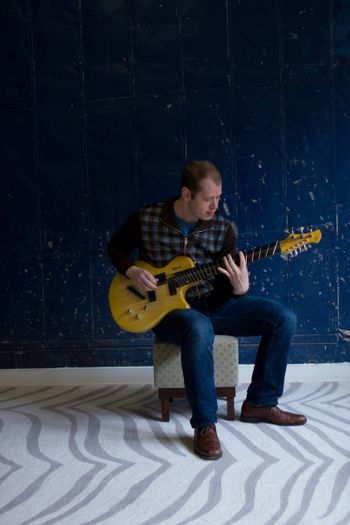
(101, 104)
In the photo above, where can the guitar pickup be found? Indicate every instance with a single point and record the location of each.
(172, 287)
(152, 296)
(136, 292)
(161, 278)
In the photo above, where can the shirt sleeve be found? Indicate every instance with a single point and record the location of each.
(124, 242)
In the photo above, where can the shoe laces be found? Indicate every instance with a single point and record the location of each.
(205, 430)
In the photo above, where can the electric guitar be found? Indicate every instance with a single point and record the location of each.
(137, 311)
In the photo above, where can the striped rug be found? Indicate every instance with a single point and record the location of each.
(100, 455)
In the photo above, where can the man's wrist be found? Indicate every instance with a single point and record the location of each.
(237, 295)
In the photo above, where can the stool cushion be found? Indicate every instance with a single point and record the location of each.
(167, 363)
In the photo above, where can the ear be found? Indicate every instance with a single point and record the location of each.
(186, 194)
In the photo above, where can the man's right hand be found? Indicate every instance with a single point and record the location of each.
(143, 279)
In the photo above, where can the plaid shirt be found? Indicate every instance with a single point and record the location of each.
(155, 232)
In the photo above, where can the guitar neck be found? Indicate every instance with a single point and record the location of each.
(210, 270)
(261, 253)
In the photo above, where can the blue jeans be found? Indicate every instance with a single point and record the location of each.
(194, 329)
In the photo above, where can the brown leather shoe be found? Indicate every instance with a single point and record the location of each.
(268, 414)
(206, 442)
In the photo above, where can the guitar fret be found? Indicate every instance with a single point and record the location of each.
(199, 273)
(261, 253)
(184, 277)
(202, 272)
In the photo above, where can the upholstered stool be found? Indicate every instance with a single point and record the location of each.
(168, 377)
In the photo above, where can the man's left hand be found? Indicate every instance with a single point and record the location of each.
(237, 274)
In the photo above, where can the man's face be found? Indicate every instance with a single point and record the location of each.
(204, 203)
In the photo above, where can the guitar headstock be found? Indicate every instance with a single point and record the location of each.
(296, 243)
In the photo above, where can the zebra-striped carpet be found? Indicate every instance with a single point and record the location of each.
(100, 455)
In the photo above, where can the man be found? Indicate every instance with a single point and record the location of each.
(190, 225)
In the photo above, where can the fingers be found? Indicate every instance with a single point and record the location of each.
(237, 274)
(142, 278)
(148, 281)
(145, 280)
(242, 260)
(231, 266)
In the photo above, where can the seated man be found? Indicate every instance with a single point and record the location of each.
(189, 225)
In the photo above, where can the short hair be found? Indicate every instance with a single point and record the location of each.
(197, 170)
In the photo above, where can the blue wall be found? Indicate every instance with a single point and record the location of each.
(101, 104)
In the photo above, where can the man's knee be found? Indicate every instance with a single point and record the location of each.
(198, 326)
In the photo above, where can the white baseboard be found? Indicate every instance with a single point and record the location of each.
(305, 373)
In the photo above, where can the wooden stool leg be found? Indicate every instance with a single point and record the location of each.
(164, 403)
(166, 395)
(231, 407)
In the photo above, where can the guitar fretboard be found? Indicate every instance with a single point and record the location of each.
(210, 270)
(261, 253)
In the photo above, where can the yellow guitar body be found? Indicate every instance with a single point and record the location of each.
(136, 311)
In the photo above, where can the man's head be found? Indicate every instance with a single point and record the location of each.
(194, 173)
(200, 190)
